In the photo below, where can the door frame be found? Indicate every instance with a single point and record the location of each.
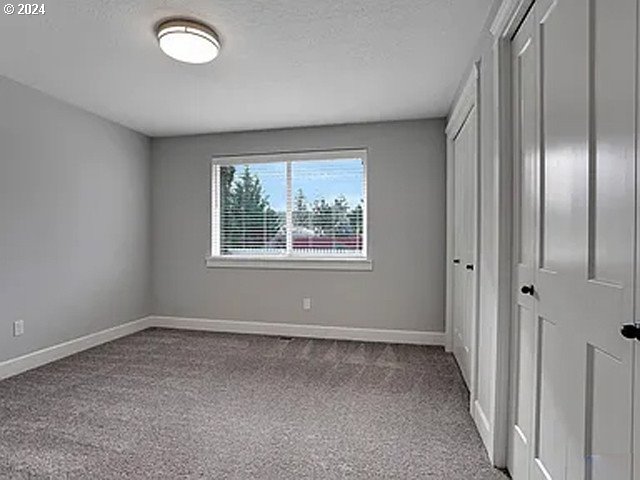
(467, 101)
(504, 26)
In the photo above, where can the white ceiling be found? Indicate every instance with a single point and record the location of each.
(283, 62)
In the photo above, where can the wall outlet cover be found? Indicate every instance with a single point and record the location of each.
(18, 328)
(306, 303)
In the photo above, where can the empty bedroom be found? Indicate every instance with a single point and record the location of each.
(319, 239)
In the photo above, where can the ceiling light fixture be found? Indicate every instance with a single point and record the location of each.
(188, 41)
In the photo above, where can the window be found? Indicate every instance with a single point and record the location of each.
(295, 207)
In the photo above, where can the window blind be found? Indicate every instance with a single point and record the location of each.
(299, 205)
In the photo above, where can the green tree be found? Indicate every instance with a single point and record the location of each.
(331, 219)
(322, 217)
(248, 221)
(301, 212)
(340, 209)
(227, 174)
(355, 219)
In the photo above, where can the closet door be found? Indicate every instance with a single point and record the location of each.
(464, 283)
(581, 290)
(585, 261)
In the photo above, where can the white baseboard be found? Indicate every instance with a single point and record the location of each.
(296, 330)
(38, 358)
(483, 426)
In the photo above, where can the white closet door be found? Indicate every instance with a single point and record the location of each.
(458, 303)
(584, 239)
(464, 284)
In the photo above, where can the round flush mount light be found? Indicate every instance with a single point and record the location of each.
(188, 41)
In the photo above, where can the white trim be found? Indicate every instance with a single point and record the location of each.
(214, 207)
(449, 256)
(464, 103)
(14, 366)
(505, 16)
(289, 212)
(504, 229)
(365, 208)
(514, 12)
(291, 263)
(305, 331)
(475, 306)
(294, 156)
(484, 427)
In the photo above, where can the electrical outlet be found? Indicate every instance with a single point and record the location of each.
(18, 328)
(306, 303)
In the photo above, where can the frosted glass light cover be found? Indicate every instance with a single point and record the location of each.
(188, 42)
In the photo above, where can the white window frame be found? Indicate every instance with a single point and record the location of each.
(288, 260)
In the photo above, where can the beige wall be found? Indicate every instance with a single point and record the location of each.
(405, 290)
(74, 221)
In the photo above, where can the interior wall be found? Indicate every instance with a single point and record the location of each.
(406, 182)
(74, 221)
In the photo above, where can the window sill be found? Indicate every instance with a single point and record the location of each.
(348, 264)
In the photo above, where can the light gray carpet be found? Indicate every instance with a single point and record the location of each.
(172, 404)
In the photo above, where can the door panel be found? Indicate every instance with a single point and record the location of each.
(564, 128)
(604, 375)
(612, 165)
(549, 453)
(524, 368)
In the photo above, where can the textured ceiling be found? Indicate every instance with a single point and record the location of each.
(283, 62)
